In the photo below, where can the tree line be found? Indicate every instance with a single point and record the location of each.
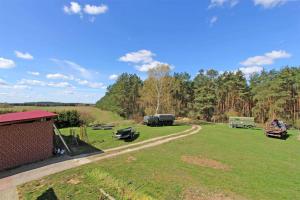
(210, 95)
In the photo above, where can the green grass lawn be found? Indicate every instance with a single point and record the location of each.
(218, 163)
(102, 139)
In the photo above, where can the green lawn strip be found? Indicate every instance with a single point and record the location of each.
(102, 139)
(259, 167)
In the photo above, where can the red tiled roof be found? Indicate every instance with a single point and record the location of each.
(25, 116)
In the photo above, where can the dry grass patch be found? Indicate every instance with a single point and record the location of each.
(201, 194)
(205, 162)
(130, 159)
(74, 181)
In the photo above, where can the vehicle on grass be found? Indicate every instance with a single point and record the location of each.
(159, 120)
(241, 122)
(276, 128)
(125, 133)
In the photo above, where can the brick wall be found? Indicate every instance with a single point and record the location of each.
(25, 143)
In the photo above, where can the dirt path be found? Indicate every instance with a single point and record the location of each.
(8, 184)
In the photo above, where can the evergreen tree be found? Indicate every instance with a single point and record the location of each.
(205, 94)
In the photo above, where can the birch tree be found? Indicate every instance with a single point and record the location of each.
(158, 74)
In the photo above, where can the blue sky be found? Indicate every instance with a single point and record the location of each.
(70, 51)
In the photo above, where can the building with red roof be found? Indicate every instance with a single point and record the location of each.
(25, 137)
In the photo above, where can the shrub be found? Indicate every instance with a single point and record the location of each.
(70, 118)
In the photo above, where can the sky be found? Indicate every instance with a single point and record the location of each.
(70, 51)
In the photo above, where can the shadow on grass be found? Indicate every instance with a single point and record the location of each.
(78, 146)
(136, 136)
(48, 195)
(280, 138)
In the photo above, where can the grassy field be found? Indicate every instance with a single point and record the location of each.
(99, 115)
(102, 139)
(218, 163)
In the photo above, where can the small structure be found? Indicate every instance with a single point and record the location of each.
(241, 122)
(25, 137)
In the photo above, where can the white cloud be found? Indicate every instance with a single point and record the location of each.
(92, 10)
(94, 85)
(266, 59)
(269, 3)
(20, 86)
(33, 73)
(3, 82)
(6, 63)
(213, 20)
(95, 10)
(59, 76)
(82, 82)
(219, 3)
(60, 84)
(25, 83)
(31, 82)
(70, 64)
(141, 56)
(251, 70)
(151, 65)
(73, 8)
(113, 77)
(143, 60)
(278, 54)
(82, 70)
(26, 55)
(69, 92)
(5, 85)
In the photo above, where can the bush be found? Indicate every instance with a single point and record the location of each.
(70, 118)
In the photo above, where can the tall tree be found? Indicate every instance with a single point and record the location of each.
(182, 93)
(122, 97)
(210, 96)
(205, 94)
(159, 76)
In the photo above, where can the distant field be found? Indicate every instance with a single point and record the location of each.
(99, 115)
(218, 163)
